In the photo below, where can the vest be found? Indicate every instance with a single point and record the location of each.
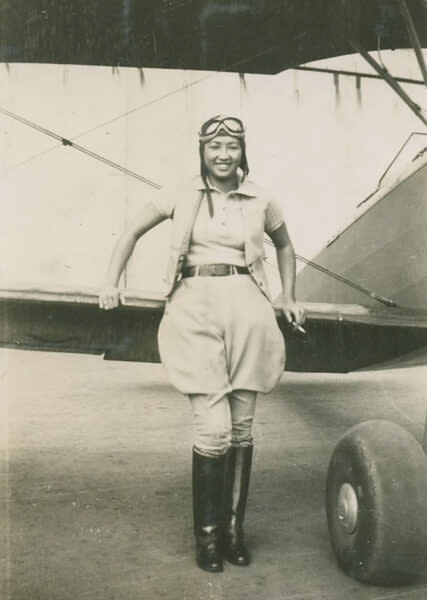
(183, 219)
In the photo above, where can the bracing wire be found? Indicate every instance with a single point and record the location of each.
(66, 142)
(116, 118)
(340, 278)
(153, 101)
(175, 91)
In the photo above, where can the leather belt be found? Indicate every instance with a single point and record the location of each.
(214, 270)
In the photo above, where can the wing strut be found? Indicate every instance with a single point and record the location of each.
(414, 39)
(388, 78)
(355, 74)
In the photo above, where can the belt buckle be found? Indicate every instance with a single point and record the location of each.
(232, 270)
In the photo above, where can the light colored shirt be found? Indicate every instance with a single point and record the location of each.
(252, 212)
(167, 197)
(220, 238)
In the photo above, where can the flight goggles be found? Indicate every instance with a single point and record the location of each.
(228, 125)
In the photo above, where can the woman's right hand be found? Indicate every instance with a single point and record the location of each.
(109, 298)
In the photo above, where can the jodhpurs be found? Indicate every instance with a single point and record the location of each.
(222, 420)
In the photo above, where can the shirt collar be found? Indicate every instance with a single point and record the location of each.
(244, 188)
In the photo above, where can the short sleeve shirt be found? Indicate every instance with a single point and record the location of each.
(166, 199)
(273, 216)
(222, 238)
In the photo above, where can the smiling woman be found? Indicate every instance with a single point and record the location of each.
(222, 151)
(217, 350)
(222, 157)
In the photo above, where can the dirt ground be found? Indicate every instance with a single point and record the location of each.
(95, 482)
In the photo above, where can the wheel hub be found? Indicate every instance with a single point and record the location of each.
(348, 507)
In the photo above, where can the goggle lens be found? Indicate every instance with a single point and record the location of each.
(234, 125)
(211, 128)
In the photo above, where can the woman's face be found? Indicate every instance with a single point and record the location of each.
(222, 157)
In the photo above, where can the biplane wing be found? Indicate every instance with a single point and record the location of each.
(376, 477)
(338, 338)
(253, 37)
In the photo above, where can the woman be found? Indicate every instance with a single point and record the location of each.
(219, 339)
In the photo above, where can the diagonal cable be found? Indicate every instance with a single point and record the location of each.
(66, 142)
(113, 119)
(178, 90)
(153, 101)
(342, 279)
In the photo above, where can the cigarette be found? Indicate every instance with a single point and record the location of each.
(299, 328)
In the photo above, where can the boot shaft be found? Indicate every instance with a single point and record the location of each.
(208, 492)
(237, 476)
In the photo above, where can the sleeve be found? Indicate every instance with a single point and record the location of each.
(164, 200)
(273, 216)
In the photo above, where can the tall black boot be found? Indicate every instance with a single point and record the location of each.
(208, 491)
(237, 475)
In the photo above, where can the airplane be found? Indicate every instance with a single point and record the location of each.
(376, 489)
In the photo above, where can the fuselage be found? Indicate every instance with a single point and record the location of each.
(383, 249)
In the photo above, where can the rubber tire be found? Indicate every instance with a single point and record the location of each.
(387, 468)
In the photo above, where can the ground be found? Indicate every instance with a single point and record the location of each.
(95, 482)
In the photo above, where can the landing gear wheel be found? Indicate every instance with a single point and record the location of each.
(376, 504)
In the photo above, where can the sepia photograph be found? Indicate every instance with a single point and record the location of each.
(184, 414)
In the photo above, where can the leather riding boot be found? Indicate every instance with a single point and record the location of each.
(208, 490)
(237, 475)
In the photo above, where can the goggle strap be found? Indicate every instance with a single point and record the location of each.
(205, 137)
(227, 121)
(221, 124)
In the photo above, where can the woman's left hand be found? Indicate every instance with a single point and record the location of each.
(294, 313)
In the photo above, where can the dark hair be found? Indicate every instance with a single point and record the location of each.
(243, 166)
